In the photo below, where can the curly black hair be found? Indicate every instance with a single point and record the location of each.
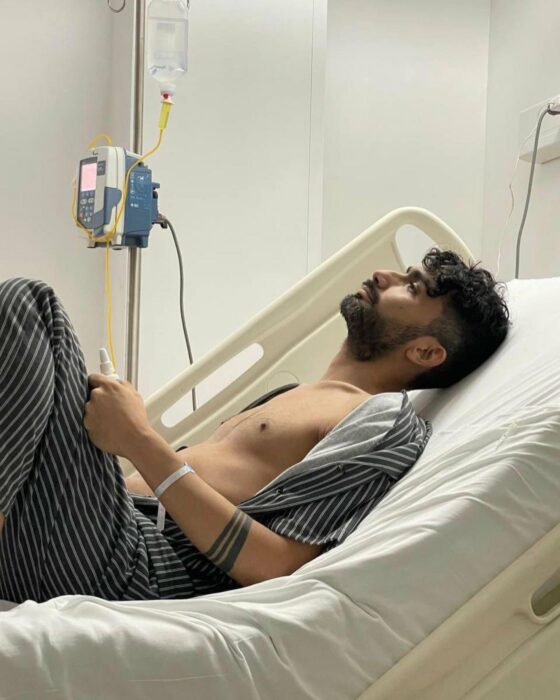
(475, 320)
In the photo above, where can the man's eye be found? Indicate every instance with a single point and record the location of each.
(412, 288)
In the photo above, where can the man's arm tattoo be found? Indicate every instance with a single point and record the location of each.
(226, 548)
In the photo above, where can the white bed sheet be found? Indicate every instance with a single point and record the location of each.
(486, 488)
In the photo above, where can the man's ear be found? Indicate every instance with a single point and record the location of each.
(426, 352)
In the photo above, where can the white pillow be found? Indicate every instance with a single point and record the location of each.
(524, 371)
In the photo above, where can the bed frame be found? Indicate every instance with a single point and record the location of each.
(501, 644)
(299, 333)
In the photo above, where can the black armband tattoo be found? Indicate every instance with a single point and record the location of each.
(226, 548)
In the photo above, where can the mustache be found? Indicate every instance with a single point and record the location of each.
(371, 290)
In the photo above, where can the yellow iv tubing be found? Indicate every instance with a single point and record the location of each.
(163, 119)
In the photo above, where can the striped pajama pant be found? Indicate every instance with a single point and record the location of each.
(71, 526)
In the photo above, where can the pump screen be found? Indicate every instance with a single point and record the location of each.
(89, 176)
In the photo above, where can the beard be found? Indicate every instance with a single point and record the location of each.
(370, 335)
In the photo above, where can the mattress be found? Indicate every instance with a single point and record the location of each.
(486, 488)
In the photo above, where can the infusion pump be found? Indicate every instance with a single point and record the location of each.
(101, 180)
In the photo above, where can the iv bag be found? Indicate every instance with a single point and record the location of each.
(168, 31)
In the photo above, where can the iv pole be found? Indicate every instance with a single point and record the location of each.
(134, 253)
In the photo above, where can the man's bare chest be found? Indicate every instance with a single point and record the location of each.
(266, 440)
(283, 429)
(251, 449)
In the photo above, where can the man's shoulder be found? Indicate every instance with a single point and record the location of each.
(337, 400)
(338, 389)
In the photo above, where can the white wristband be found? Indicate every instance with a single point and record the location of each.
(165, 484)
(171, 479)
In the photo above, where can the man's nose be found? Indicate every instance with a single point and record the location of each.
(386, 278)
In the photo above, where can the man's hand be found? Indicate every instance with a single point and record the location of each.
(115, 415)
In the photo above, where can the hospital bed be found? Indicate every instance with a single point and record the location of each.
(448, 589)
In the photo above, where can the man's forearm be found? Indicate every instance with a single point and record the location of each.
(230, 538)
(136, 485)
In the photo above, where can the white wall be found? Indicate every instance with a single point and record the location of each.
(55, 61)
(524, 69)
(404, 114)
(404, 124)
(240, 167)
(234, 169)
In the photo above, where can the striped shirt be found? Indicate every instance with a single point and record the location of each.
(322, 499)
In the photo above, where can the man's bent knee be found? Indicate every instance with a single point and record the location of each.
(18, 287)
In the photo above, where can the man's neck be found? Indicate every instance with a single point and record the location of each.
(373, 377)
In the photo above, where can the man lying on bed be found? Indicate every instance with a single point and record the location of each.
(426, 328)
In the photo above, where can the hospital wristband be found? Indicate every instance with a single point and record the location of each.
(165, 484)
(172, 478)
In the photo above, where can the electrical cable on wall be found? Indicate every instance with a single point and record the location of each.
(542, 115)
(512, 195)
(164, 223)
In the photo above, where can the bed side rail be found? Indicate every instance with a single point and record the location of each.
(501, 644)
